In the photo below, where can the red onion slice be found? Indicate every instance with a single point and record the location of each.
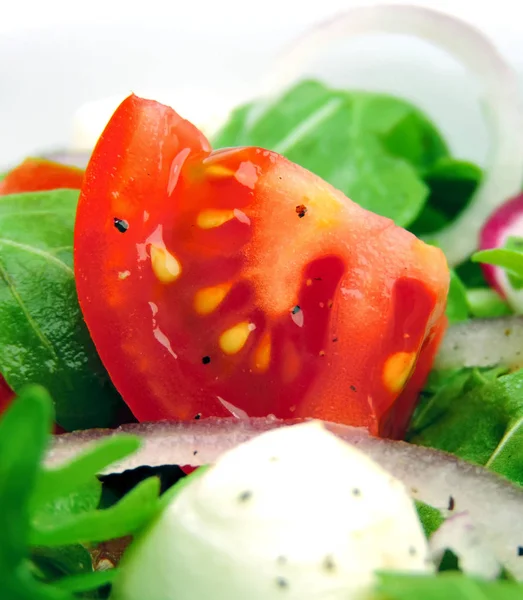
(505, 222)
(482, 343)
(437, 478)
(504, 169)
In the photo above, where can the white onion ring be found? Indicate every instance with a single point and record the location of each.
(504, 170)
(482, 343)
(437, 478)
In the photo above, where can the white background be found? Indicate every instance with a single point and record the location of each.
(57, 55)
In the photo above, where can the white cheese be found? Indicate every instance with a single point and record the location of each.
(294, 513)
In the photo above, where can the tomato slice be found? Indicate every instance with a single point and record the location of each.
(38, 174)
(238, 282)
(33, 175)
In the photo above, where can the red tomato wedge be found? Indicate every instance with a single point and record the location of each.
(238, 282)
(38, 174)
(34, 175)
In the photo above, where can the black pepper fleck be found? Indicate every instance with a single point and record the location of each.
(301, 210)
(452, 503)
(508, 332)
(195, 452)
(335, 339)
(412, 551)
(281, 560)
(356, 492)
(244, 496)
(198, 416)
(206, 360)
(281, 582)
(121, 224)
(353, 388)
(520, 550)
(296, 310)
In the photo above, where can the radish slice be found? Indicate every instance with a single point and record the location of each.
(482, 343)
(504, 171)
(436, 478)
(505, 222)
(460, 535)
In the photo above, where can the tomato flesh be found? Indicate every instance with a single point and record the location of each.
(236, 282)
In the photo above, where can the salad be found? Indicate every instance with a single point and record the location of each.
(285, 361)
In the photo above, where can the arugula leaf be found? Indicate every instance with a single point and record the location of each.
(486, 303)
(510, 260)
(452, 184)
(351, 139)
(87, 581)
(42, 334)
(23, 436)
(457, 304)
(430, 517)
(50, 564)
(55, 483)
(471, 275)
(414, 137)
(444, 586)
(60, 508)
(482, 422)
(41, 555)
(126, 517)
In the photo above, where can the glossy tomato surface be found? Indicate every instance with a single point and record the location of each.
(38, 174)
(233, 282)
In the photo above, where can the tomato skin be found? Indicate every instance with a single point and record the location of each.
(238, 282)
(38, 174)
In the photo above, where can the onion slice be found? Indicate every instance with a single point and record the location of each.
(482, 343)
(437, 478)
(459, 534)
(504, 169)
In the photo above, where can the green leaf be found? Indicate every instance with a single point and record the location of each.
(232, 131)
(414, 137)
(59, 509)
(42, 334)
(510, 260)
(481, 424)
(87, 581)
(471, 275)
(352, 140)
(126, 517)
(452, 184)
(50, 564)
(430, 518)
(457, 304)
(23, 435)
(444, 586)
(55, 483)
(485, 303)
(24, 429)
(436, 405)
